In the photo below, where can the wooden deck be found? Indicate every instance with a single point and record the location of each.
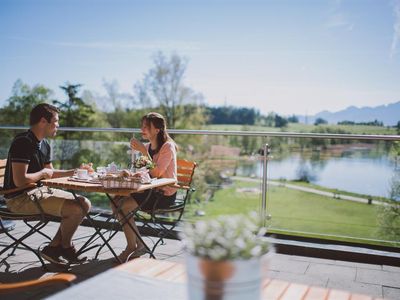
(374, 280)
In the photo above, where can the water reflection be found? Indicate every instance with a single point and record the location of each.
(357, 170)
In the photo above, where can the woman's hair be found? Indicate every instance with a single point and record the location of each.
(160, 123)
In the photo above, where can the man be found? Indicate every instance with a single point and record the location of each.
(28, 162)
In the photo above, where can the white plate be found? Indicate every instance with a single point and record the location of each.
(87, 180)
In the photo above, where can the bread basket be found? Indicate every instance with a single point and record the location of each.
(125, 180)
(114, 182)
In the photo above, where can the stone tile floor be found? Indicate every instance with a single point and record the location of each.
(374, 280)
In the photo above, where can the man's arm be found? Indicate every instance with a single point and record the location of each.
(21, 177)
(59, 173)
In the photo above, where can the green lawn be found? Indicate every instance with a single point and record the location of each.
(296, 127)
(293, 212)
(301, 213)
(337, 191)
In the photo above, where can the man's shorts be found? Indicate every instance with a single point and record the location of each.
(51, 201)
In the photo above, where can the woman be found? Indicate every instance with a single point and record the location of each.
(162, 149)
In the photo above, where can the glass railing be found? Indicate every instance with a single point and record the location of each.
(338, 187)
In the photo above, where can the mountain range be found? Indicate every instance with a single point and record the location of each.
(389, 114)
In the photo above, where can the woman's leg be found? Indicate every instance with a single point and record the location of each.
(128, 204)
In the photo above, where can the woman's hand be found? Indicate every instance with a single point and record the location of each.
(137, 145)
(88, 166)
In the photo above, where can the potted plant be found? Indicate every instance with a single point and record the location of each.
(225, 257)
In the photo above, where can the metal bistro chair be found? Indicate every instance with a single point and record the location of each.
(161, 222)
(40, 220)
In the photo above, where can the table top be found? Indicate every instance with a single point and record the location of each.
(145, 278)
(65, 183)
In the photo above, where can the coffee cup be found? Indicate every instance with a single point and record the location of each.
(82, 173)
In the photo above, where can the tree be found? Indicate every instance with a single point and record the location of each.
(320, 121)
(163, 88)
(99, 118)
(398, 127)
(280, 121)
(293, 119)
(304, 173)
(346, 122)
(368, 123)
(232, 115)
(117, 104)
(74, 112)
(389, 214)
(268, 120)
(116, 99)
(23, 99)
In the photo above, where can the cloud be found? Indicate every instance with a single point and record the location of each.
(105, 45)
(156, 45)
(396, 28)
(337, 20)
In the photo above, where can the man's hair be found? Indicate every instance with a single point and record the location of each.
(42, 110)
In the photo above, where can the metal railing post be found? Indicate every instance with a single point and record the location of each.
(264, 214)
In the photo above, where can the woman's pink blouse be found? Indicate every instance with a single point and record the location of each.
(166, 166)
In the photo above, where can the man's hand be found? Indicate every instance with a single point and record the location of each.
(47, 173)
(58, 173)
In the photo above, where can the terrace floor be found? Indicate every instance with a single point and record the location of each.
(374, 280)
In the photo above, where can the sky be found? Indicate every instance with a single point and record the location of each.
(286, 56)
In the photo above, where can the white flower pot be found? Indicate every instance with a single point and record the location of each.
(228, 280)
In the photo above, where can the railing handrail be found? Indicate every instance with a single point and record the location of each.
(232, 132)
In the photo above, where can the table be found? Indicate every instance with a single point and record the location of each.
(93, 187)
(145, 278)
(89, 187)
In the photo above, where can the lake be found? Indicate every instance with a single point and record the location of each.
(356, 172)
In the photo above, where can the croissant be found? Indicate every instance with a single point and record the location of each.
(125, 173)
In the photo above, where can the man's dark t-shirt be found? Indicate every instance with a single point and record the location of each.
(27, 149)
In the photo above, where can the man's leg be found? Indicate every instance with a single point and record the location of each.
(72, 212)
(56, 241)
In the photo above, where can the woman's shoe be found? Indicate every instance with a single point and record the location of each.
(128, 254)
(123, 257)
(139, 252)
